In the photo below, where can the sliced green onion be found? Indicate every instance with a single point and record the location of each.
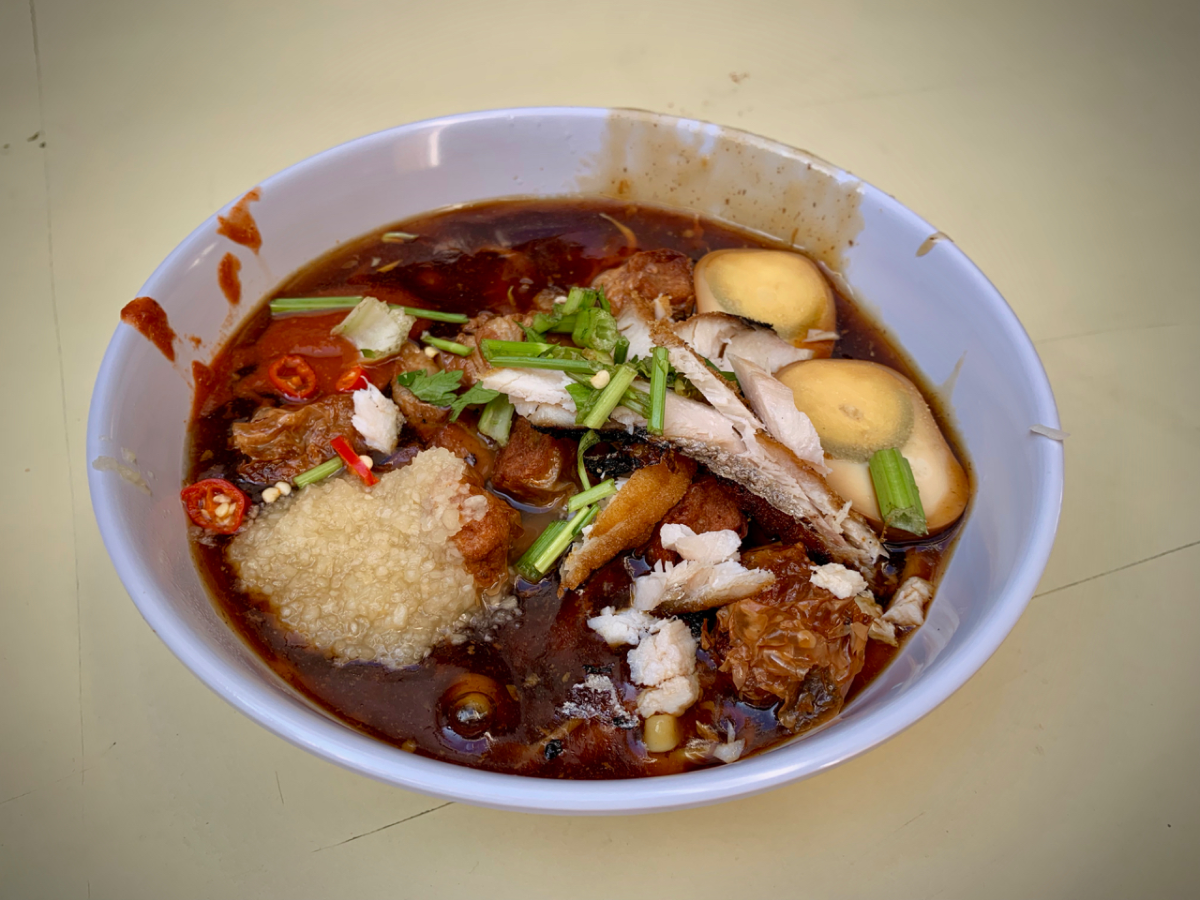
(312, 304)
(542, 362)
(449, 346)
(434, 315)
(496, 419)
(526, 565)
(596, 329)
(620, 349)
(586, 443)
(561, 540)
(610, 397)
(491, 348)
(542, 322)
(552, 543)
(308, 304)
(565, 325)
(318, 473)
(587, 520)
(577, 298)
(896, 490)
(658, 391)
(606, 488)
(638, 401)
(397, 237)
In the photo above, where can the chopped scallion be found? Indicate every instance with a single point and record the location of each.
(309, 304)
(491, 348)
(545, 560)
(565, 325)
(449, 346)
(586, 443)
(313, 304)
(620, 349)
(587, 520)
(397, 237)
(318, 473)
(434, 315)
(610, 397)
(896, 490)
(526, 565)
(542, 362)
(606, 488)
(658, 391)
(496, 419)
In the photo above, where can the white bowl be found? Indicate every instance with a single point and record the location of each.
(932, 298)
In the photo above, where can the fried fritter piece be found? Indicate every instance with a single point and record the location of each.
(630, 516)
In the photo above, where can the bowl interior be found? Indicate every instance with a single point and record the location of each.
(938, 306)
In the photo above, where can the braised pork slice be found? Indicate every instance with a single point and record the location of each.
(793, 642)
(468, 447)
(649, 275)
(280, 443)
(485, 540)
(708, 505)
(534, 466)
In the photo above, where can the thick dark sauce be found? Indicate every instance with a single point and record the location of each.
(498, 256)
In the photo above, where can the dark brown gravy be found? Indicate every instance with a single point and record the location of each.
(495, 256)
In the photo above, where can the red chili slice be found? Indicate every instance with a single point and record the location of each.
(352, 379)
(204, 500)
(353, 461)
(295, 378)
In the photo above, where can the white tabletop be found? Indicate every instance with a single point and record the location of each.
(1056, 143)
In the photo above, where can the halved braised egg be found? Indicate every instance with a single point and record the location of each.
(784, 290)
(860, 407)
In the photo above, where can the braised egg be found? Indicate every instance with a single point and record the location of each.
(784, 290)
(860, 407)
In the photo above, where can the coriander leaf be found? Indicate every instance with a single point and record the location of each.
(437, 389)
(585, 398)
(476, 393)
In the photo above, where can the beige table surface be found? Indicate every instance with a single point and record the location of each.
(1057, 143)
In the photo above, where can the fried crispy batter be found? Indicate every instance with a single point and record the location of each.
(794, 641)
(630, 517)
(281, 443)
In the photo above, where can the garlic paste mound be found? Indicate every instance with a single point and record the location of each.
(367, 574)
